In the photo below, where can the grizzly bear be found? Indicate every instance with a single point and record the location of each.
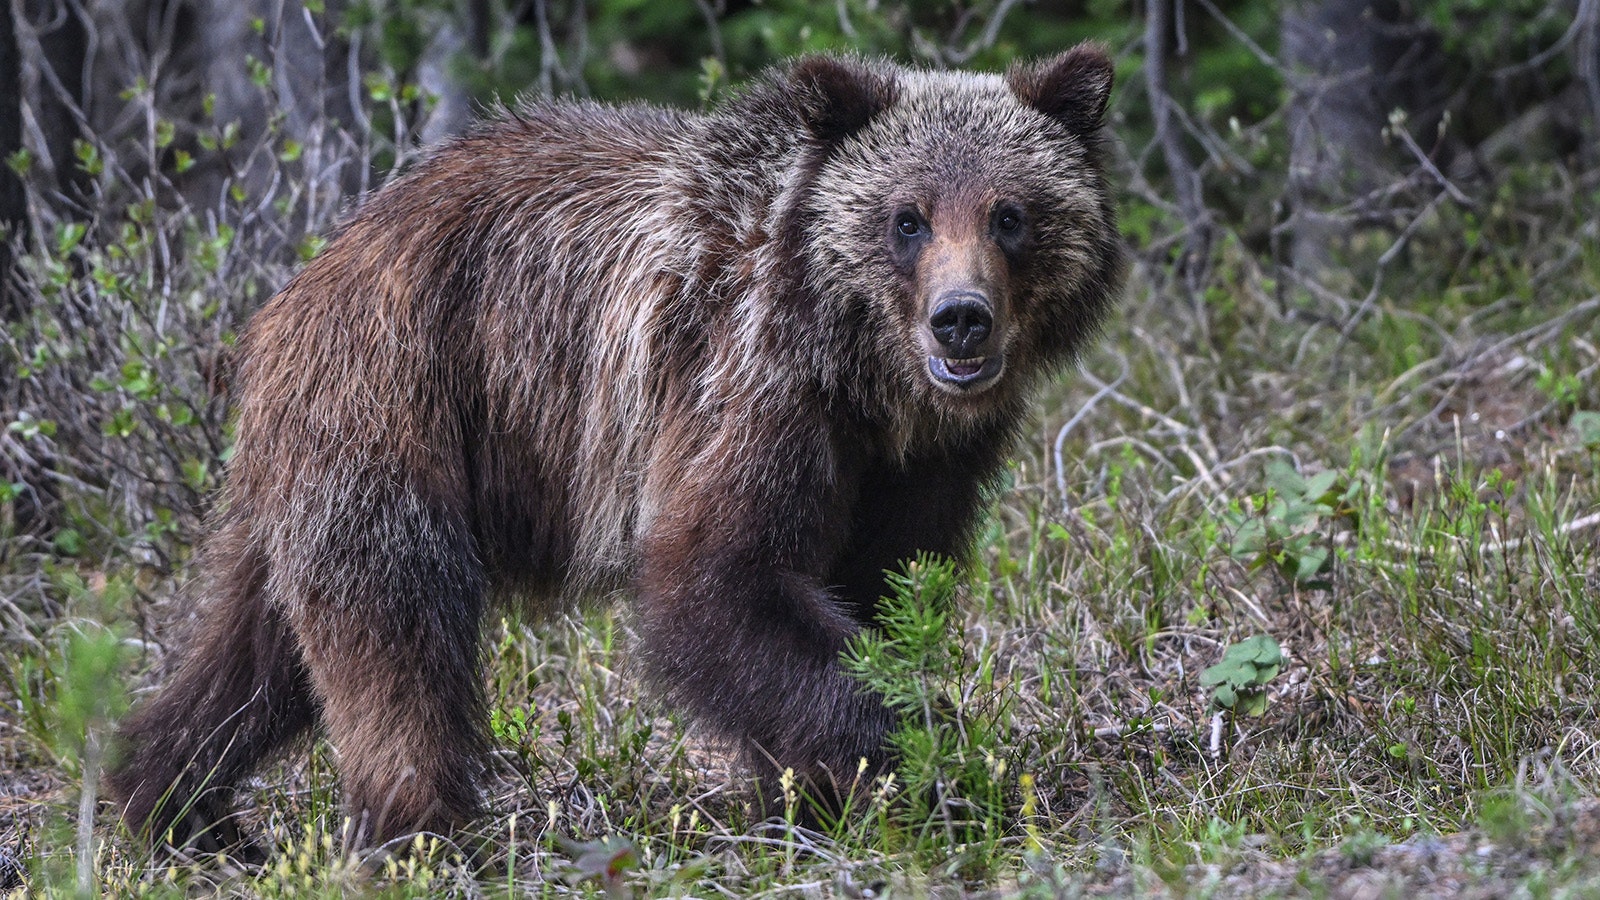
(734, 364)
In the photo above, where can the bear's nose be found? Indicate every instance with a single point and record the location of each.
(960, 323)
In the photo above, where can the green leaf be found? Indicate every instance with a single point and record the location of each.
(1260, 648)
(68, 236)
(20, 162)
(1586, 425)
(1319, 484)
(1225, 697)
(1249, 540)
(607, 860)
(30, 428)
(260, 72)
(121, 424)
(310, 246)
(1229, 671)
(378, 88)
(1309, 562)
(1282, 477)
(1252, 703)
(1295, 512)
(88, 156)
(1244, 671)
(195, 473)
(69, 542)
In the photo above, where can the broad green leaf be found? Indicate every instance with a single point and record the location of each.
(1319, 484)
(1586, 425)
(1252, 703)
(1309, 562)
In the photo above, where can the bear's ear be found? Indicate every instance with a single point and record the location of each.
(1072, 87)
(836, 96)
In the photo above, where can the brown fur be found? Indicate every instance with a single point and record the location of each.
(589, 348)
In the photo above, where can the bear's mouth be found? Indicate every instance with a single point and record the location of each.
(965, 374)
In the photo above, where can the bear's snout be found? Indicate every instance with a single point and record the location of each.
(961, 323)
(962, 359)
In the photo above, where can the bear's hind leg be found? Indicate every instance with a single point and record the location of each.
(390, 626)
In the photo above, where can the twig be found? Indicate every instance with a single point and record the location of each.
(985, 38)
(1083, 411)
(714, 28)
(1508, 545)
(1548, 53)
(1397, 128)
(1255, 609)
(549, 57)
(1512, 544)
(1388, 257)
(842, 7)
(1122, 728)
(1182, 388)
(86, 805)
(1550, 326)
(1238, 34)
(1171, 423)
(1220, 470)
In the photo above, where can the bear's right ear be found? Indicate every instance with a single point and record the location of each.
(1072, 88)
(837, 96)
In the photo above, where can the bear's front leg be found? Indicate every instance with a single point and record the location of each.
(737, 625)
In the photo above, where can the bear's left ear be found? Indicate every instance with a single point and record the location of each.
(837, 96)
(1072, 88)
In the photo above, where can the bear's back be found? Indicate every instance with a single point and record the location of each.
(504, 322)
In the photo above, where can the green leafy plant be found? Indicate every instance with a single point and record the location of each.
(952, 758)
(1288, 526)
(1240, 680)
(606, 861)
(69, 696)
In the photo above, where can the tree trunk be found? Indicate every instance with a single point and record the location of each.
(13, 202)
(1354, 62)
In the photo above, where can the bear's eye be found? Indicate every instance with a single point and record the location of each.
(907, 225)
(1008, 220)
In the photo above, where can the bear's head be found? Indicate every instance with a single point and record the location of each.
(962, 219)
